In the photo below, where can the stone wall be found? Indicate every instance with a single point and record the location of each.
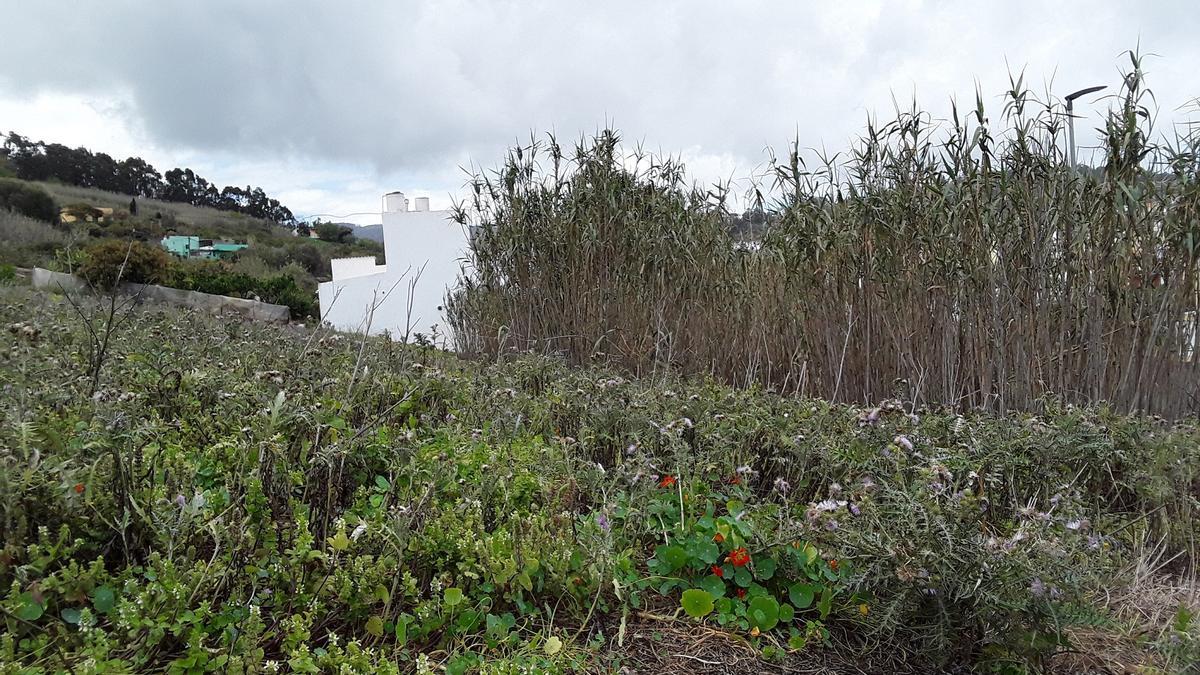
(207, 302)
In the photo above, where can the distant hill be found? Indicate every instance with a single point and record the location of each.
(372, 232)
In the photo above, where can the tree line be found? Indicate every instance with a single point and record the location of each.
(38, 160)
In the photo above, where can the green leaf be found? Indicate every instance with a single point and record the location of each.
(706, 550)
(714, 584)
(524, 581)
(30, 609)
(826, 602)
(1183, 619)
(764, 568)
(763, 612)
(810, 554)
(797, 642)
(452, 596)
(103, 599)
(553, 645)
(339, 541)
(382, 483)
(375, 626)
(786, 613)
(741, 577)
(402, 628)
(672, 555)
(71, 615)
(697, 602)
(801, 595)
(303, 664)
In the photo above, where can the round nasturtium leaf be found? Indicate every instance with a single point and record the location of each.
(672, 555)
(29, 609)
(763, 612)
(103, 599)
(801, 595)
(713, 584)
(764, 568)
(71, 615)
(452, 596)
(742, 577)
(786, 613)
(697, 602)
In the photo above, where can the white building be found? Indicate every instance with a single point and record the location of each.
(424, 251)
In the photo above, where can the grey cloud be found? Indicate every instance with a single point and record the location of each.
(407, 87)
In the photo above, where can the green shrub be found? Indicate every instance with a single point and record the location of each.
(247, 492)
(221, 278)
(27, 200)
(8, 273)
(112, 261)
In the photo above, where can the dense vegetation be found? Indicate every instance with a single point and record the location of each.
(41, 161)
(27, 200)
(964, 263)
(205, 495)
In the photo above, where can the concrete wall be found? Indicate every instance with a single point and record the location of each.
(425, 246)
(217, 304)
(346, 268)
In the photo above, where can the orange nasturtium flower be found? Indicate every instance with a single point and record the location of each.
(833, 564)
(718, 571)
(738, 557)
(79, 488)
(741, 593)
(718, 537)
(667, 481)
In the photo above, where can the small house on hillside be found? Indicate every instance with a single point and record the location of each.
(187, 246)
(83, 213)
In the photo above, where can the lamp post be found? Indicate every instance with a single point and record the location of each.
(1071, 116)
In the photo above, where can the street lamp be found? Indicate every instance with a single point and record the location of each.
(1071, 116)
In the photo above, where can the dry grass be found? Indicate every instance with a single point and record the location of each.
(963, 264)
(198, 216)
(26, 241)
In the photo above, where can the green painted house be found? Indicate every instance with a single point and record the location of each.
(186, 246)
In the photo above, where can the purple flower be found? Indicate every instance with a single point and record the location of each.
(181, 501)
(903, 442)
(1037, 588)
(602, 521)
(854, 509)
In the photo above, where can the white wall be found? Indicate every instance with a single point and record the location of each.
(345, 268)
(424, 247)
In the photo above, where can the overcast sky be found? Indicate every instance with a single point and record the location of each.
(328, 104)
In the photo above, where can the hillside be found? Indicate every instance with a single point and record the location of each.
(201, 495)
(235, 224)
(372, 232)
(275, 266)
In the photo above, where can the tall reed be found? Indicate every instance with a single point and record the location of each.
(962, 263)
